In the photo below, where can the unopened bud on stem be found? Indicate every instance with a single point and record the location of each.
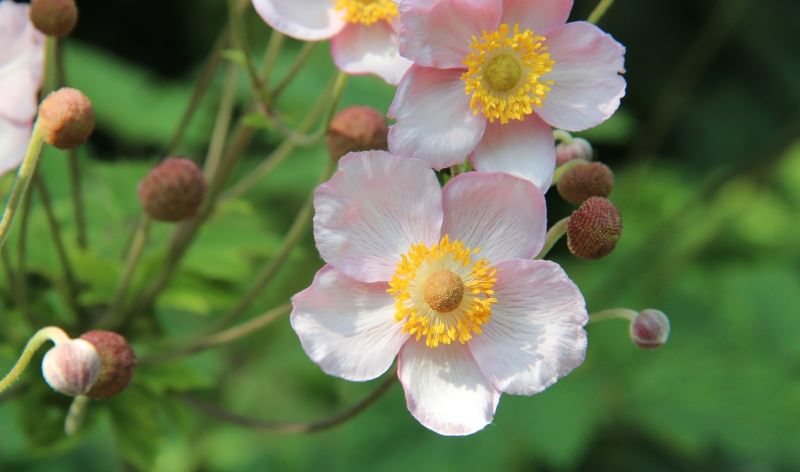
(71, 367)
(66, 118)
(594, 229)
(356, 128)
(173, 190)
(117, 363)
(54, 17)
(576, 148)
(650, 329)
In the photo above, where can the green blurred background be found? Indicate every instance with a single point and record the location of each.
(706, 150)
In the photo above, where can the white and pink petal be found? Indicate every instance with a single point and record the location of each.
(309, 20)
(372, 49)
(14, 139)
(541, 16)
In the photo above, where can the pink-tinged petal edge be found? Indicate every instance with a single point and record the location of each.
(347, 327)
(587, 87)
(14, 139)
(535, 335)
(445, 390)
(309, 20)
(503, 215)
(21, 63)
(540, 16)
(372, 210)
(439, 34)
(433, 119)
(373, 49)
(522, 148)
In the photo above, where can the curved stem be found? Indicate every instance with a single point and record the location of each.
(553, 235)
(22, 182)
(599, 11)
(562, 136)
(76, 414)
(50, 333)
(563, 168)
(293, 428)
(613, 314)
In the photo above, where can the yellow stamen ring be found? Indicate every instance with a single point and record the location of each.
(504, 73)
(367, 12)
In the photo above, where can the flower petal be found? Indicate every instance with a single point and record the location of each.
(309, 20)
(13, 143)
(540, 16)
(372, 49)
(503, 215)
(434, 120)
(371, 212)
(439, 34)
(587, 86)
(522, 148)
(535, 335)
(21, 63)
(445, 390)
(346, 326)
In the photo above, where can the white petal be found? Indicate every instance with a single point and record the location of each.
(587, 86)
(346, 326)
(522, 148)
(540, 16)
(13, 143)
(535, 335)
(21, 63)
(371, 212)
(445, 390)
(434, 120)
(361, 49)
(310, 20)
(503, 215)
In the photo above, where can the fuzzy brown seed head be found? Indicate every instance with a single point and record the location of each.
(173, 190)
(592, 179)
(66, 118)
(578, 148)
(117, 363)
(72, 367)
(650, 329)
(54, 17)
(443, 291)
(357, 128)
(594, 229)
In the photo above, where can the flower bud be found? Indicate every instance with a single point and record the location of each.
(577, 148)
(592, 179)
(117, 363)
(71, 367)
(54, 17)
(594, 229)
(173, 190)
(66, 118)
(650, 329)
(356, 128)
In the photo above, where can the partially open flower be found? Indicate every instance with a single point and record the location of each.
(582, 181)
(577, 148)
(117, 363)
(356, 128)
(66, 118)
(173, 190)
(54, 17)
(71, 367)
(650, 329)
(594, 229)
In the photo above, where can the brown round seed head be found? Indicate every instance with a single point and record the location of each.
(443, 291)
(54, 17)
(355, 129)
(585, 180)
(173, 190)
(66, 118)
(117, 363)
(594, 229)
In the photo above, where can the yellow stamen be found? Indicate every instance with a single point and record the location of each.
(443, 292)
(504, 73)
(367, 12)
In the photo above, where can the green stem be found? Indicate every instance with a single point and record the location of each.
(613, 314)
(599, 11)
(271, 53)
(140, 238)
(77, 198)
(50, 333)
(223, 122)
(300, 60)
(562, 136)
(20, 188)
(562, 169)
(22, 241)
(553, 235)
(238, 35)
(76, 414)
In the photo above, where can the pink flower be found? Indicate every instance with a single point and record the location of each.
(21, 70)
(443, 279)
(491, 77)
(363, 33)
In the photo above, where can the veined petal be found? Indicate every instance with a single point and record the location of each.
(373, 49)
(501, 214)
(309, 20)
(445, 390)
(522, 148)
(346, 326)
(371, 212)
(536, 333)
(14, 139)
(541, 16)
(433, 119)
(587, 87)
(21, 63)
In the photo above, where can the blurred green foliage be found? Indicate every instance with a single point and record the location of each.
(706, 150)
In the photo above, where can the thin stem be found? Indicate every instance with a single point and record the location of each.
(223, 337)
(50, 333)
(76, 414)
(562, 136)
(271, 53)
(140, 238)
(223, 123)
(300, 60)
(238, 35)
(562, 169)
(22, 182)
(77, 199)
(293, 428)
(599, 11)
(22, 241)
(613, 314)
(553, 235)
(51, 47)
(70, 282)
(8, 269)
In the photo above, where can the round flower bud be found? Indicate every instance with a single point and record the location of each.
(173, 190)
(66, 118)
(71, 367)
(356, 128)
(578, 148)
(650, 329)
(592, 179)
(118, 362)
(594, 229)
(54, 17)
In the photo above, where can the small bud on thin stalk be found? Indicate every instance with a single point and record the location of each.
(594, 229)
(576, 148)
(354, 129)
(71, 367)
(173, 190)
(54, 17)
(650, 329)
(66, 118)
